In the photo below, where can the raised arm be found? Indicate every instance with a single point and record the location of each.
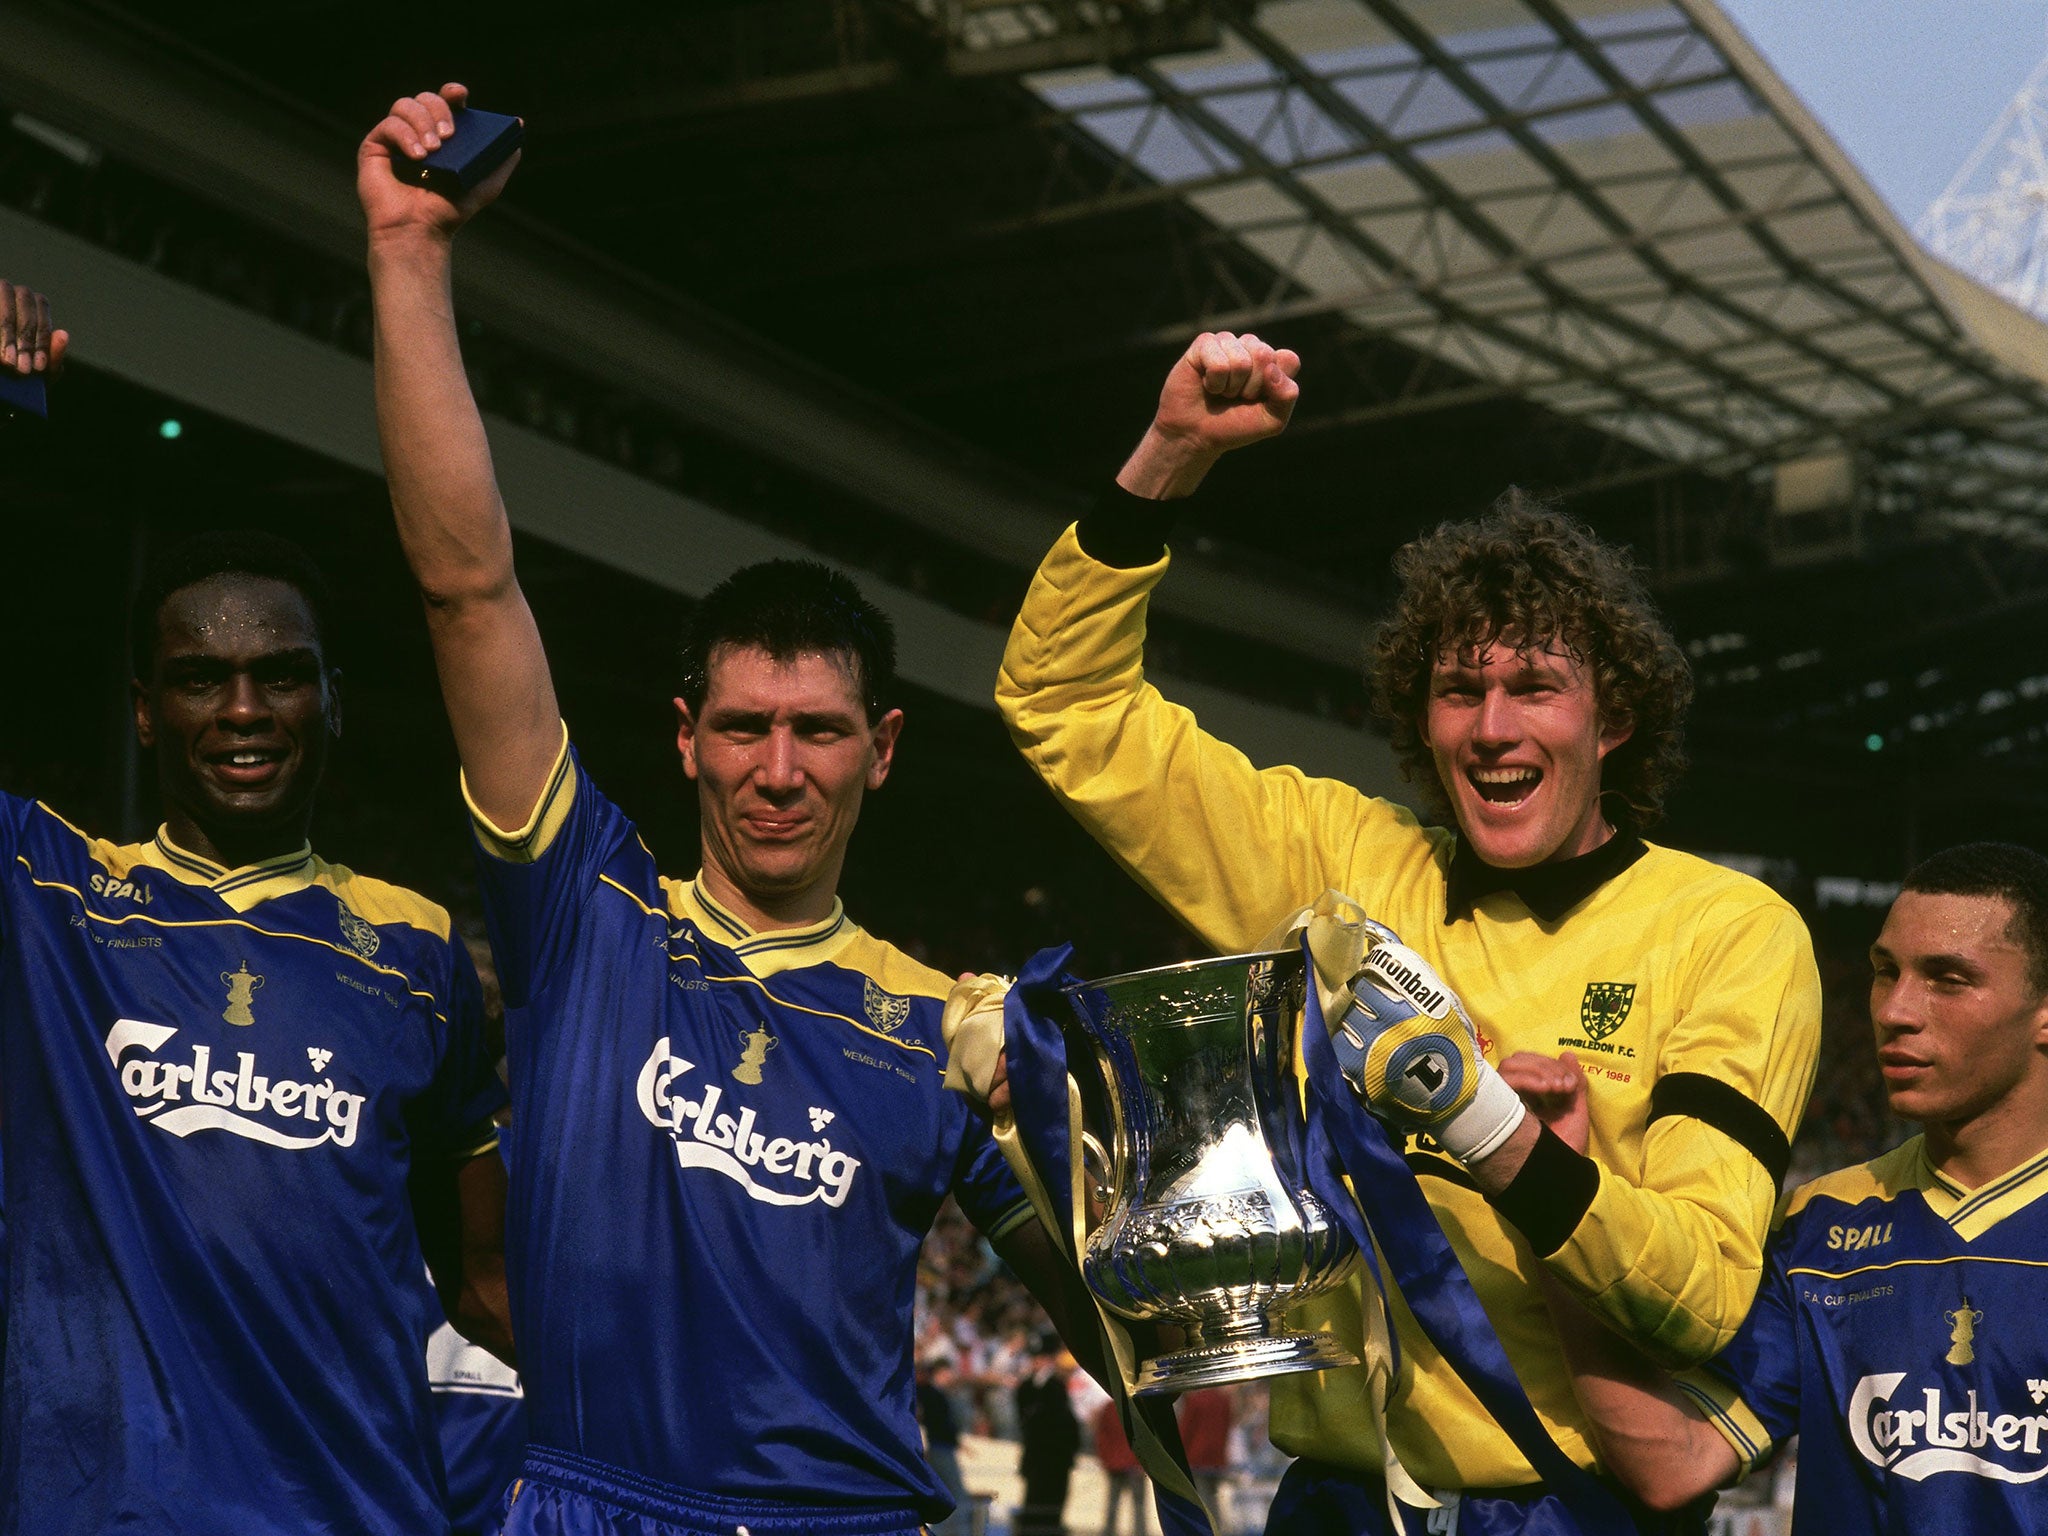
(451, 520)
(1174, 805)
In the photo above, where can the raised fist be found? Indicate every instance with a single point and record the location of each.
(413, 131)
(1227, 391)
(29, 343)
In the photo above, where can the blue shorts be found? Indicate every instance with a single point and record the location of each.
(1317, 1499)
(561, 1494)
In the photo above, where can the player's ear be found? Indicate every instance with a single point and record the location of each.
(145, 725)
(887, 729)
(1614, 730)
(333, 710)
(686, 738)
(2039, 1018)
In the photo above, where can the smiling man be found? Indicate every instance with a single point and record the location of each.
(733, 1126)
(1534, 694)
(230, 1068)
(1897, 1332)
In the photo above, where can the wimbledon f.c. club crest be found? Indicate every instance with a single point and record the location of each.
(362, 938)
(1605, 1007)
(887, 1012)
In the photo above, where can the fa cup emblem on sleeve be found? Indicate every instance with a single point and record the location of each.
(242, 985)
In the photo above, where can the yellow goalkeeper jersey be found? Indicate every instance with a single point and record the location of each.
(1688, 991)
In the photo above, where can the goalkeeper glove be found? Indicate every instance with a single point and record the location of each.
(1409, 1050)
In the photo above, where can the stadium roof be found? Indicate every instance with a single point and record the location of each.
(1617, 212)
(1592, 248)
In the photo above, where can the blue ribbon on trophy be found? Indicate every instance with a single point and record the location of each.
(1391, 1205)
(1036, 1045)
(1336, 1139)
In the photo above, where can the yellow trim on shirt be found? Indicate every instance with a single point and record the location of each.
(1970, 1212)
(1723, 1407)
(241, 888)
(750, 979)
(488, 1144)
(225, 922)
(766, 951)
(529, 840)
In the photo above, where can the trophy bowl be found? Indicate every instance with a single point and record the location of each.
(1192, 1139)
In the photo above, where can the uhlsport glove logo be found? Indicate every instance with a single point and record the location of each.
(1403, 1044)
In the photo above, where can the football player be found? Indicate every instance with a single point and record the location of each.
(733, 1130)
(1898, 1328)
(1537, 700)
(225, 1059)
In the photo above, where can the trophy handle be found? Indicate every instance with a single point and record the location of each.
(1099, 1171)
(1098, 1126)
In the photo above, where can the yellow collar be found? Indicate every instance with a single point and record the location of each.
(768, 950)
(1973, 1212)
(240, 888)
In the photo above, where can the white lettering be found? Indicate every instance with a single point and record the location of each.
(342, 1110)
(250, 1090)
(223, 1100)
(730, 1143)
(1953, 1437)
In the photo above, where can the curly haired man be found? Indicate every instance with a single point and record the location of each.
(1538, 699)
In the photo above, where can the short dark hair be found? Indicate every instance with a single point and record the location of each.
(1527, 572)
(786, 608)
(219, 552)
(2015, 874)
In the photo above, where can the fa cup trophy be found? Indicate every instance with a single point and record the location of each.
(1192, 1137)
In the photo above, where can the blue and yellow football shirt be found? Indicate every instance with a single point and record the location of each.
(730, 1146)
(482, 1413)
(1900, 1332)
(215, 1082)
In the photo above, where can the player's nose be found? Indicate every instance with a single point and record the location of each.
(1495, 723)
(242, 702)
(1895, 1010)
(780, 771)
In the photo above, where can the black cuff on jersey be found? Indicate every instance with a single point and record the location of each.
(1123, 530)
(1551, 1195)
(1728, 1110)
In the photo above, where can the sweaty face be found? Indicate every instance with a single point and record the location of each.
(1518, 741)
(241, 708)
(1959, 1022)
(782, 753)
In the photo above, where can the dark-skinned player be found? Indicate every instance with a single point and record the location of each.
(228, 1064)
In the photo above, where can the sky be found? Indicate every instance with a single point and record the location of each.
(1907, 87)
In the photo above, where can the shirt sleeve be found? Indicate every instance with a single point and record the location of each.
(1173, 805)
(537, 878)
(1671, 1259)
(1750, 1391)
(987, 1190)
(455, 1117)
